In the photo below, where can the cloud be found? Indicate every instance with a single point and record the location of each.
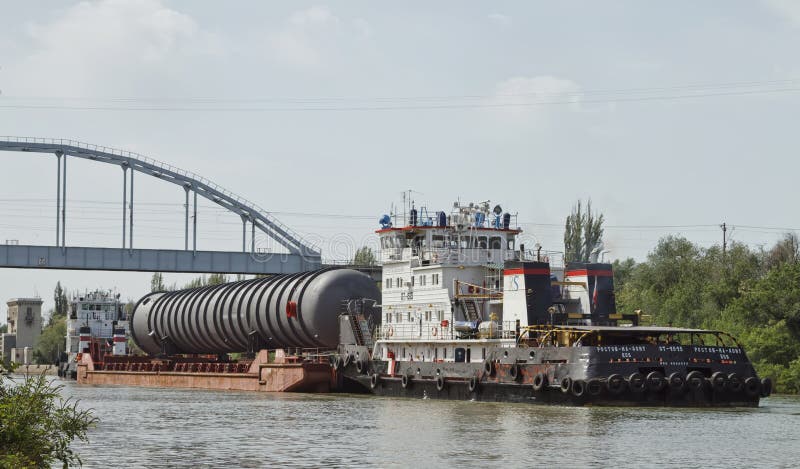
(308, 37)
(788, 9)
(500, 19)
(78, 51)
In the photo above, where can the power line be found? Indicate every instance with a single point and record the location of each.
(397, 107)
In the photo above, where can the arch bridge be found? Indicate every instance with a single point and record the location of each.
(299, 256)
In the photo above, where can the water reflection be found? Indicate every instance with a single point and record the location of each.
(142, 427)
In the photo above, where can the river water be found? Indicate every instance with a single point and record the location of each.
(146, 427)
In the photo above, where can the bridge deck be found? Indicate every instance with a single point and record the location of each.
(152, 260)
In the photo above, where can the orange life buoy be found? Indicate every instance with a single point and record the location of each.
(434, 331)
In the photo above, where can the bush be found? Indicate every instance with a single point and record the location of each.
(37, 425)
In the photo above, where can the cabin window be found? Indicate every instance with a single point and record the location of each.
(511, 244)
(482, 243)
(435, 279)
(408, 316)
(438, 241)
(464, 243)
(422, 280)
(403, 296)
(399, 282)
(483, 354)
(388, 283)
(397, 317)
(427, 316)
(388, 317)
(495, 243)
(412, 280)
(444, 353)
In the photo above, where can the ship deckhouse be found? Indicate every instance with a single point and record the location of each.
(443, 278)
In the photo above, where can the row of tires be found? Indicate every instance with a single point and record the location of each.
(614, 384)
(656, 382)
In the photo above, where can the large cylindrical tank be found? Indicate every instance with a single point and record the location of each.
(235, 317)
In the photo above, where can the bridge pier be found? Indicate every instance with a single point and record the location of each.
(64, 207)
(124, 202)
(186, 219)
(58, 199)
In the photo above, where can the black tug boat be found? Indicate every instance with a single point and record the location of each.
(467, 314)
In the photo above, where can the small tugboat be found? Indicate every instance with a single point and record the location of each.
(96, 325)
(468, 313)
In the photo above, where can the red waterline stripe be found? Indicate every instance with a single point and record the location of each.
(590, 273)
(522, 271)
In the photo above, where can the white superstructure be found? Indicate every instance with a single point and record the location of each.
(96, 317)
(443, 283)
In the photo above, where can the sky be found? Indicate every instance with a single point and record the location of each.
(672, 117)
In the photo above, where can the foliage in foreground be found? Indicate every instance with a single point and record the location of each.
(37, 425)
(754, 295)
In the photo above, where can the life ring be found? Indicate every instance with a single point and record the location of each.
(488, 367)
(615, 384)
(752, 386)
(578, 388)
(594, 386)
(390, 332)
(473, 383)
(766, 387)
(655, 381)
(695, 380)
(373, 380)
(405, 381)
(735, 383)
(676, 381)
(471, 289)
(513, 372)
(539, 382)
(719, 381)
(636, 382)
(439, 383)
(434, 331)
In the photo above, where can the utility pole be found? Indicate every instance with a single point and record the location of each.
(724, 227)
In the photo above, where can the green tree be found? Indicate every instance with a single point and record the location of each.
(583, 233)
(60, 300)
(157, 282)
(364, 256)
(217, 279)
(52, 341)
(3, 328)
(37, 425)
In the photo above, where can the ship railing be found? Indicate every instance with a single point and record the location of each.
(434, 332)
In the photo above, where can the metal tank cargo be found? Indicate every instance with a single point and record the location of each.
(298, 310)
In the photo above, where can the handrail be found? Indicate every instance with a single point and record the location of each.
(165, 166)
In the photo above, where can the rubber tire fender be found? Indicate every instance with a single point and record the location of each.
(655, 381)
(539, 382)
(636, 382)
(513, 372)
(373, 380)
(405, 381)
(488, 367)
(566, 384)
(578, 388)
(695, 380)
(361, 366)
(473, 383)
(735, 383)
(594, 387)
(766, 387)
(439, 383)
(719, 381)
(676, 381)
(615, 384)
(752, 386)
